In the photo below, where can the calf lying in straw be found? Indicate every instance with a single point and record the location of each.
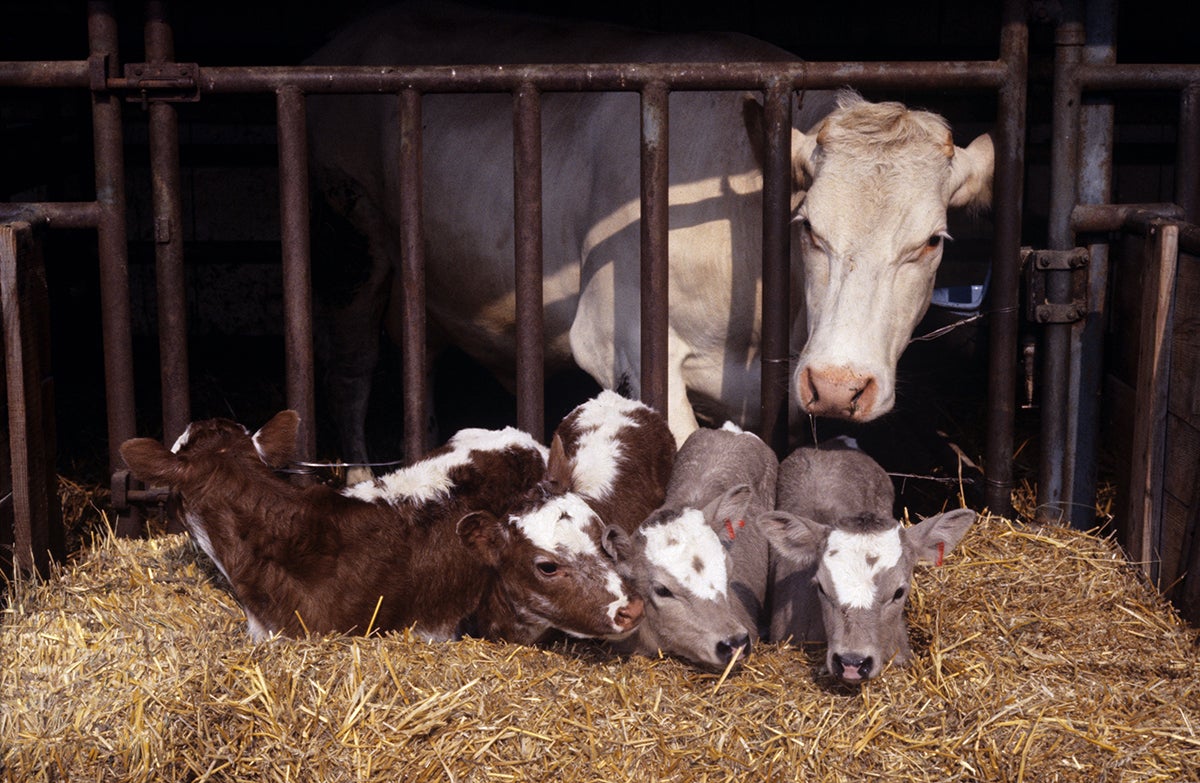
(843, 550)
(609, 463)
(700, 559)
(422, 547)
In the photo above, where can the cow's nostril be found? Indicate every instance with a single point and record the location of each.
(852, 667)
(630, 614)
(726, 647)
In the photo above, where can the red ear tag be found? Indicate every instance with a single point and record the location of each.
(729, 529)
(941, 552)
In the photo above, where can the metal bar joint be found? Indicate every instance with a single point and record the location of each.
(170, 82)
(1039, 264)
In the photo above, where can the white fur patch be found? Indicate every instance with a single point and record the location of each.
(616, 589)
(560, 526)
(429, 479)
(599, 452)
(689, 551)
(854, 559)
(182, 440)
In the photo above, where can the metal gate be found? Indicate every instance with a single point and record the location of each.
(161, 84)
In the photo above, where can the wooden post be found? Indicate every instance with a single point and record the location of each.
(1150, 396)
(38, 535)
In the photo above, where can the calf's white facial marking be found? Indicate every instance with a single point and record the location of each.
(688, 550)
(854, 559)
(561, 526)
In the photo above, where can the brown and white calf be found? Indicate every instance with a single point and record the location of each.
(838, 546)
(701, 559)
(420, 547)
(609, 464)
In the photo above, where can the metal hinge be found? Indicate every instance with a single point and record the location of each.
(1040, 263)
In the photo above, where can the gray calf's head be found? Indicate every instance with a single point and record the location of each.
(682, 564)
(864, 572)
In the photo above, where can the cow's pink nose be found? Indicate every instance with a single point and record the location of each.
(629, 615)
(838, 392)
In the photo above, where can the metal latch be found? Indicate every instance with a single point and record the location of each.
(172, 82)
(1039, 264)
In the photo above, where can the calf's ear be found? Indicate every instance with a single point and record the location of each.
(276, 442)
(484, 535)
(151, 462)
(929, 540)
(560, 469)
(797, 538)
(727, 513)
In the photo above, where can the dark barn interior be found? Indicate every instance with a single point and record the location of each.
(228, 153)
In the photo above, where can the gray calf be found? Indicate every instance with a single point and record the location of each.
(700, 560)
(836, 544)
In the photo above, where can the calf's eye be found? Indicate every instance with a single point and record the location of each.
(898, 594)
(662, 592)
(548, 568)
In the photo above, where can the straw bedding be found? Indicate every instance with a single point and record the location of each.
(1039, 655)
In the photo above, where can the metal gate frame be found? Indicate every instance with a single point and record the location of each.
(161, 82)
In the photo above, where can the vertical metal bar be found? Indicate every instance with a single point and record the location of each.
(1087, 335)
(1187, 169)
(1002, 341)
(527, 215)
(1064, 163)
(776, 265)
(412, 276)
(115, 318)
(655, 158)
(297, 271)
(168, 236)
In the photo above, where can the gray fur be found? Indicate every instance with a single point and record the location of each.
(730, 475)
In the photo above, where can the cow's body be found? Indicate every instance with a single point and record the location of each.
(842, 563)
(609, 464)
(700, 559)
(591, 232)
(423, 547)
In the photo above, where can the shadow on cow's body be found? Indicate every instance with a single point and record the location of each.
(868, 235)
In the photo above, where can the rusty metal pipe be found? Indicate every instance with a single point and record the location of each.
(412, 277)
(297, 274)
(1004, 293)
(53, 214)
(168, 237)
(655, 156)
(631, 77)
(776, 266)
(115, 317)
(527, 215)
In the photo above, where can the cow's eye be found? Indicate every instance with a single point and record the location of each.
(934, 241)
(898, 594)
(662, 591)
(548, 567)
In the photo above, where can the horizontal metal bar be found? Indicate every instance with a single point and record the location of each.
(1087, 218)
(56, 73)
(52, 214)
(600, 77)
(1135, 76)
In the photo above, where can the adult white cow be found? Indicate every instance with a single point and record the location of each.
(879, 179)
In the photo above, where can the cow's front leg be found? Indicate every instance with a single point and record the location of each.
(680, 416)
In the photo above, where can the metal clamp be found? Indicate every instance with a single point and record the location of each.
(1038, 264)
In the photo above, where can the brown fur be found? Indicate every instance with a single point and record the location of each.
(309, 558)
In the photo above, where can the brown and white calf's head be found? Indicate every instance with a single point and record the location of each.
(681, 561)
(863, 577)
(557, 569)
(872, 228)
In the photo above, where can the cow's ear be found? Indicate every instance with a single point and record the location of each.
(484, 535)
(151, 462)
(726, 514)
(929, 540)
(799, 539)
(616, 544)
(971, 170)
(276, 443)
(560, 469)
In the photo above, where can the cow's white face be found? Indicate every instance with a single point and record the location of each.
(863, 577)
(871, 231)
